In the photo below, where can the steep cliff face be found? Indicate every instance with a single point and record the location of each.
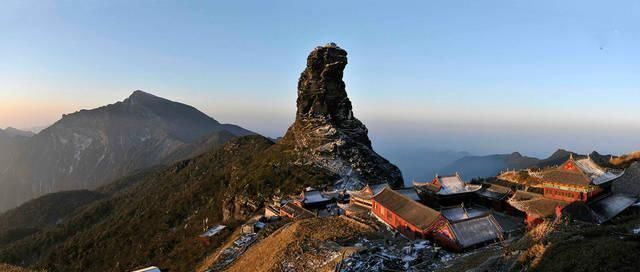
(326, 133)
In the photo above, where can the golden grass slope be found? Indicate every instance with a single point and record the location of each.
(306, 245)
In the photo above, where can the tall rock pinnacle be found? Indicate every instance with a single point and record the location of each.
(326, 132)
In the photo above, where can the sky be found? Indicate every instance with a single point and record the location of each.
(478, 76)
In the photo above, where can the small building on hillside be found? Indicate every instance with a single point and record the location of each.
(576, 180)
(412, 219)
(271, 211)
(494, 196)
(445, 191)
(206, 237)
(253, 225)
(314, 200)
(293, 211)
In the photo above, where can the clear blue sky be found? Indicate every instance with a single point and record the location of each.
(480, 76)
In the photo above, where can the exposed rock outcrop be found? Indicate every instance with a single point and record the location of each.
(325, 131)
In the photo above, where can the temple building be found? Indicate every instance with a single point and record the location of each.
(412, 219)
(446, 191)
(360, 201)
(459, 234)
(321, 203)
(410, 193)
(576, 180)
(294, 211)
(363, 197)
(536, 207)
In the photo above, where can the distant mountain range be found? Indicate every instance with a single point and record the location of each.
(89, 148)
(11, 142)
(491, 165)
(14, 132)
(420, 163)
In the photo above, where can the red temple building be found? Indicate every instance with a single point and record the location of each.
(576, 180)
(412, 219)
(580, 183)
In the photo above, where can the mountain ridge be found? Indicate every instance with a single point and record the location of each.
(88, 148)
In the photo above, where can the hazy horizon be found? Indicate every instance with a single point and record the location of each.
(498, 77)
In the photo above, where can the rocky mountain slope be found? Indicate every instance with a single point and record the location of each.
(154, 219)
(159, 215)
(326, 133)
(89, 148)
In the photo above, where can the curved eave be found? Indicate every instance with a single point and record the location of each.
(609, 180)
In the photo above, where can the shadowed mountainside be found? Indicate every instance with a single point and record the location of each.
(89, 148)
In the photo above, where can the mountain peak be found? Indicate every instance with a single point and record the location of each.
(11, 131)
(321, 91)
(139, 95)
(325, 130)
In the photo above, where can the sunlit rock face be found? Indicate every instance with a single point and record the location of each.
(325, 131)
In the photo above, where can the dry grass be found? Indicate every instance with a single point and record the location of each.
(307, 245)
(625, 160)
(211, 259)
(11, 268)
(532, 244)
